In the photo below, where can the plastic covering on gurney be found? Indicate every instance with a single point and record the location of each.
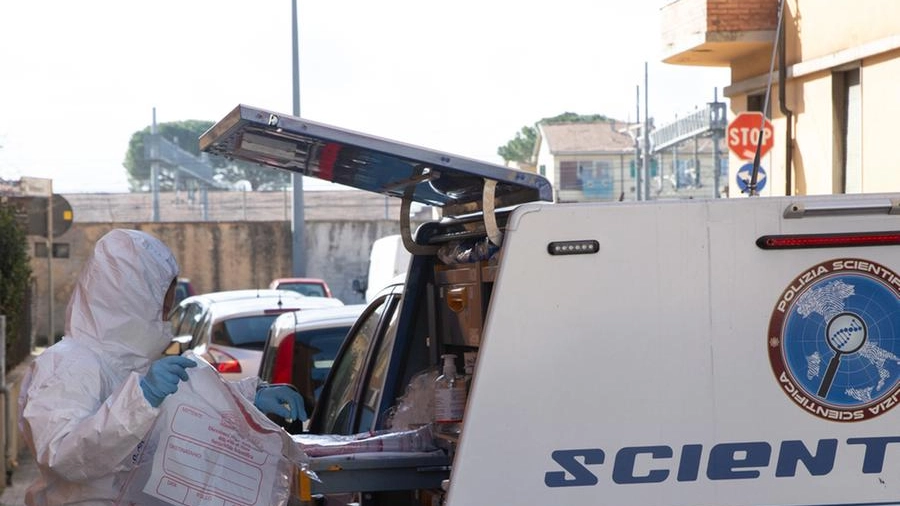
(370, 462)
(404, 457)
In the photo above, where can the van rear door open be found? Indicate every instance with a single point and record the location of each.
(457, 185)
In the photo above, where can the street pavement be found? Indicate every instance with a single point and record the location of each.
(24, 474)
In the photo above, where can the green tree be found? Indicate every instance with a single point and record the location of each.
(571, 117)
(521, 148)
(185, 134)
(15, 273)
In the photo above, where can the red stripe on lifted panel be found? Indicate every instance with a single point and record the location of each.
(327, 159)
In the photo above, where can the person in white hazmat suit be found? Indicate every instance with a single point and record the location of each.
(87, 401)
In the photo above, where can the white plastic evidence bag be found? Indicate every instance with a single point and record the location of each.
(210, 445)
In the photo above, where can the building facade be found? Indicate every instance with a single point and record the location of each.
(830, 71)
(595, 161)
(585, 161)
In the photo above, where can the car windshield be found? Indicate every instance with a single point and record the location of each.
(247, 332)
(308, 289)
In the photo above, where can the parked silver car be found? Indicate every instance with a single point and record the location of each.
(229, 329)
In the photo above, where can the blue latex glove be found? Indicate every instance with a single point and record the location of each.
(280, 400)
(163, 377)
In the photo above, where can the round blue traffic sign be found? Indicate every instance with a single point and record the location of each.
(744, 174)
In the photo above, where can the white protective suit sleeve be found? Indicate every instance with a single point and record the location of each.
(81, 437)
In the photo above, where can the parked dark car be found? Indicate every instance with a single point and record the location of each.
(301, 347)
(183, 289)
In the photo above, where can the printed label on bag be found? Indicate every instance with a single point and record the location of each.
(205, 459)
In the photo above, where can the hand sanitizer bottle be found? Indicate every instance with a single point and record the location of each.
(449, 398)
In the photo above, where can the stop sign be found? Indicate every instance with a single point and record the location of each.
(743, 135)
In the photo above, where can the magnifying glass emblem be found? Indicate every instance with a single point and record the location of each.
(846, 333)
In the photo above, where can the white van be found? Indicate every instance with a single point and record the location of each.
(387, 259)
(729, 352)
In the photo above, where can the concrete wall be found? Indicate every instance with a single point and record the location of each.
(220, 256)
(819, 29)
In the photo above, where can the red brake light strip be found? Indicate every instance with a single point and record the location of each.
(828, 240)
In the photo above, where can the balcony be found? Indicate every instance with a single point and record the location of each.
(716, 32)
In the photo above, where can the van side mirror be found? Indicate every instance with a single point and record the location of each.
(360, 285)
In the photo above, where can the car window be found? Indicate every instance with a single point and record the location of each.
(176, 316)
(201, 331)
(314, 352)
(308, 289)
(185, 318)
(375, 385)
(248, 332)
(337, 403)
(192, 319)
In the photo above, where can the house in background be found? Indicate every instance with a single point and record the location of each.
(586, 161)
(595, 161)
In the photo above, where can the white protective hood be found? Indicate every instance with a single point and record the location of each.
(117, 301)
(82, 410)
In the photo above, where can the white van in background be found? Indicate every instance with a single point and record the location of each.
(387, 259)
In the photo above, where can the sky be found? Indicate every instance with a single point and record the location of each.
(78, 79)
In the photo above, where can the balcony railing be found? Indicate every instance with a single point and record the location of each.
(708, 120)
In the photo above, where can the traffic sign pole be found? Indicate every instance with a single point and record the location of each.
(51, 338)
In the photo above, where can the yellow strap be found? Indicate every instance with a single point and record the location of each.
(304, 486)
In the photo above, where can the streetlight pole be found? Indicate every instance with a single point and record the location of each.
(646, 165)
(298, 222)
(637, 145)
(154, 168)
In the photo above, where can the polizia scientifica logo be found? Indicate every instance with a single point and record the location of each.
(834, 340)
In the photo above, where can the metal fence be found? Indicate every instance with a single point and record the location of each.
(231, 206)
